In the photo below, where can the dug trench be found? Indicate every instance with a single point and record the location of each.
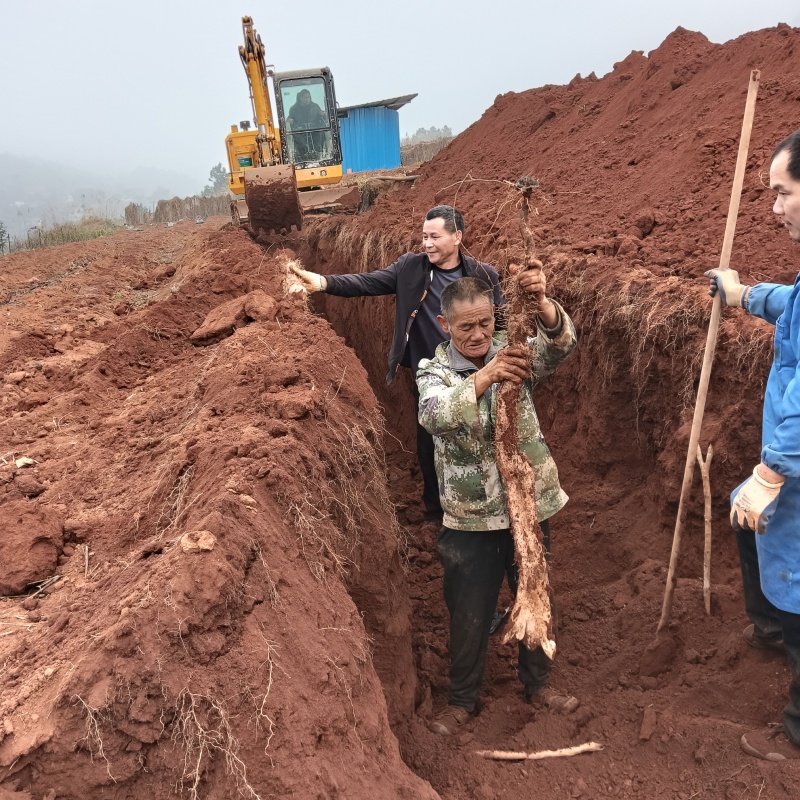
(617, 418)
(247, 600)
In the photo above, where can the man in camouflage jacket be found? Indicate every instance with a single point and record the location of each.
(457, 390)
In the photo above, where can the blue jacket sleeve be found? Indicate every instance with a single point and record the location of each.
(781, 450)
(360, 284)
(783, 453)
(768, 300)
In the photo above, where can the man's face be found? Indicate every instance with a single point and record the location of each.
(787, 203)
(305, 99)
(440, 245)
(470, 326)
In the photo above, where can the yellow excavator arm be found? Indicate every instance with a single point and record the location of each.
(252, 55)
(264, 189)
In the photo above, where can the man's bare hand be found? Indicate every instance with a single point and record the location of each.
(512, 364)
(312, 281)
(531, 280)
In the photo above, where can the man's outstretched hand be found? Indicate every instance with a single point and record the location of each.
(312, 281)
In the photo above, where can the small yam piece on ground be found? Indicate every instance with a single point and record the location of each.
(564, 752)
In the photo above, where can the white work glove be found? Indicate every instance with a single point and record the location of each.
(726, 282)
(754, 502)
(312, 281)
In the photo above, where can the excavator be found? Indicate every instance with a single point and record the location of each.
(291, 161)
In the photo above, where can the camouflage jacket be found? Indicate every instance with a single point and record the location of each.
(472, 492)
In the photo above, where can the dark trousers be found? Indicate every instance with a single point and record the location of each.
(474, 565)
(772, 622)
(427, 465)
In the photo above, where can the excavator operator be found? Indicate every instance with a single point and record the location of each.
(306, 115)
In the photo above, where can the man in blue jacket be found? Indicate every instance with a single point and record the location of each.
(765, 509)
(417, 280)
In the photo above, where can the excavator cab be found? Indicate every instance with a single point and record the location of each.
(307, 116)
(307, 119)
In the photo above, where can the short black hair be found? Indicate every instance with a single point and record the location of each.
(464, 290)
(792, 144)
(453, 221)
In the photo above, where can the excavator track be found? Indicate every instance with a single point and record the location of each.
(273, 204)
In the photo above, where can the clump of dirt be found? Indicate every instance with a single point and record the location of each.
(273, 204)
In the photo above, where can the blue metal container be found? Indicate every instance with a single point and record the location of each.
(370, 135)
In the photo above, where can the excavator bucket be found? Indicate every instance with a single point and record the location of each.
(273, 205)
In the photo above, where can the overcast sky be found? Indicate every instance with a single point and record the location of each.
(157, 83)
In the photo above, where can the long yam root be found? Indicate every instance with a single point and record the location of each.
(530, 620)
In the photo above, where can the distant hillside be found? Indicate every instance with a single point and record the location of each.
(33, 192)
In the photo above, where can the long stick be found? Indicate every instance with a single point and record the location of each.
(509, 755)
(705, 469)
(711, 343)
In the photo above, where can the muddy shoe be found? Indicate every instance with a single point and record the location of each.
(762, 642)
(551, 699)
(771, 744)
(449, 721)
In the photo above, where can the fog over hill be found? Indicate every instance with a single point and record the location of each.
(35, 192)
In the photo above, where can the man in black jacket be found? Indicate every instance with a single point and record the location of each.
(417, 280)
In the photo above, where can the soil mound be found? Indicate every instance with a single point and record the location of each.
(207, 519)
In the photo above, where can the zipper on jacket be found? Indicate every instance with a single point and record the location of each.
(419, 305)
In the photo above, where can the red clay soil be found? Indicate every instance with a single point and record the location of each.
(230, 577)
(255, 619)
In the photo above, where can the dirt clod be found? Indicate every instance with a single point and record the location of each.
(198, 541)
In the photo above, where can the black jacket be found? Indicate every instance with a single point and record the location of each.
(408, 278)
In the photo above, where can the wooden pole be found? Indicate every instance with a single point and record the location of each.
(711, 343)
(705, 468)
